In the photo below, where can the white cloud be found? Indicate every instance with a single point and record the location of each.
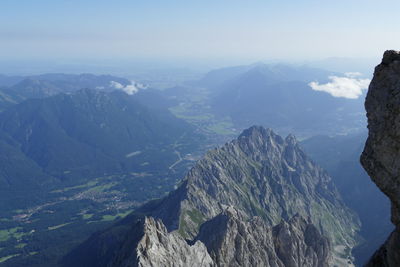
(353, 74)
(130, 89)
(116, 85)
(347, 87)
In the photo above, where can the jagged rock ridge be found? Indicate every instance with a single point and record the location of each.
(157, 247)
(229, 239)
(234, 240)
(263, 175)
(299, 215)
(381, 155)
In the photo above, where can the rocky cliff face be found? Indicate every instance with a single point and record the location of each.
(381, 155)
(235, 240)
(272, 185)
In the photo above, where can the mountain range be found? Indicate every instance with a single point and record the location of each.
(274, 95)
(74, 148)
(280, 97)
(15, 89)
(73, 162)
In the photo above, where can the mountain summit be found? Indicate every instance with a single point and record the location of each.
(284, 205)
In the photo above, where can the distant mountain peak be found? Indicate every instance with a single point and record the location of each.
(241, 172)
(256, 130)
(259, 135)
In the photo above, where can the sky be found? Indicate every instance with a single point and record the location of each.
(200, 30)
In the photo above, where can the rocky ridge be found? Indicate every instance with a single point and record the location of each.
(263, 175)
(286, 212)
(157, 247)
(230, 237)
(226, 240)
(381, 155)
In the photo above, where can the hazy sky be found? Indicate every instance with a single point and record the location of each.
(198, 29)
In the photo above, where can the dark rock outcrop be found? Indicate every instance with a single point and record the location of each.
(381, 155)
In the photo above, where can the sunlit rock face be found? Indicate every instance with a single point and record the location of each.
(233, 239)
(381, 155)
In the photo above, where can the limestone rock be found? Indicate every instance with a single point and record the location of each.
(157, 247)
(234, 240)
